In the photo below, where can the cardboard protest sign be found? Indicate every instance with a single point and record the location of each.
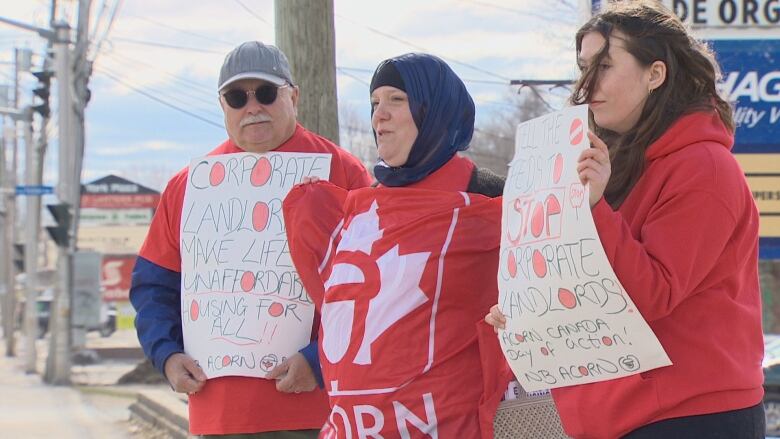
(569, 320)
(244, 308)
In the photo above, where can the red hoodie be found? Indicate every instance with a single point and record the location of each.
(684, 244)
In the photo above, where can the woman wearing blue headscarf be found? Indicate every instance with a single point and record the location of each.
(422, 117)
(402, 272)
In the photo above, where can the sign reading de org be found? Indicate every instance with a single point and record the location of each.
(727, 13)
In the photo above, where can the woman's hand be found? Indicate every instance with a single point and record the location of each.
(310, 180)
(495, 318)
(594, 168)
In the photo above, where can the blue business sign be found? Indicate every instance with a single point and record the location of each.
(751, 80)
(34, 190)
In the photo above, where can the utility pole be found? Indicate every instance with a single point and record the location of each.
(59, 360)
(82, 69)
(30, 251)
(4, 245)
(34, 177)
(306, 34)
(9, 302)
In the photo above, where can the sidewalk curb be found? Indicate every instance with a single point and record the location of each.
(114, 391)
(163, 411)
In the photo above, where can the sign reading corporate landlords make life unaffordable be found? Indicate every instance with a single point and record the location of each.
(244, 309)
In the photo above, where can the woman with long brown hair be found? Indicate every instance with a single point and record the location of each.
(679, 226)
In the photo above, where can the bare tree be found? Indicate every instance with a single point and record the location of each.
(356, 135)
(493, 144)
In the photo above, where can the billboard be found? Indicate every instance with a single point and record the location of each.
(751, 81)
(727, 13)
(115, 277)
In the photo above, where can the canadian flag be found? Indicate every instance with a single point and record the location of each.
(400, 277)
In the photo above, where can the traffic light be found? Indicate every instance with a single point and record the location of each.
(19, 257)
(62, 216)
(42, 91)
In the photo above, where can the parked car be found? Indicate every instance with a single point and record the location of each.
(42, 310)
(106, 325)
(771, 365)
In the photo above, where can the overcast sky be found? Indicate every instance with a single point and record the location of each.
(172, 50)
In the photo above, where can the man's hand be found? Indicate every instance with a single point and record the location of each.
(310, 180)
(184, 374)
(294, 375)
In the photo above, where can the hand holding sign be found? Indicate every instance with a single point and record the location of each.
(594, 168)
(294, 375)
(496, 318)
(184, 374)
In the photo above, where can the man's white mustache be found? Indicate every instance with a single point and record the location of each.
(255, 119)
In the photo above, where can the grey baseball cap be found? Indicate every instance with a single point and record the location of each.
(255, 60)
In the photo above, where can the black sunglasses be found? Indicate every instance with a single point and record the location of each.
(265, 94)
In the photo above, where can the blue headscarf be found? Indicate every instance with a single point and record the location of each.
(441, 108)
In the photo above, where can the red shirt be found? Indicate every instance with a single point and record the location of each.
(233, 405)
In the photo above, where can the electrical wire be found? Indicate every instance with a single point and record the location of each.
(418, 47)
(467, 80)
(251, 12)
(99, 18)
(164, 45)
(160, 101)
(518, 11)
(203, 95)
(355, 77)
(104, 36)
(165, 94)
(182, 80)
(182, 31)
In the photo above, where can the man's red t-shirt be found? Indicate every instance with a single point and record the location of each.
(233, 405)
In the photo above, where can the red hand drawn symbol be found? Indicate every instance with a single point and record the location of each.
(576, 197)
(557, 168)
(260, 215)
(261, 172)
(576, 132)
(217, 174)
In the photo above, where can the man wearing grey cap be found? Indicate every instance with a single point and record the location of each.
(259, 100)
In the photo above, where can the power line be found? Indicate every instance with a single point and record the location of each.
(187, 32)
(111, 19)
(164, 45)
(99, 17)
(516, 11)
(418, 47)
(252, 13)
(174, 97)
(180, 79)
(476, 81)
(158, 100)
(355, 77)
(489, 134)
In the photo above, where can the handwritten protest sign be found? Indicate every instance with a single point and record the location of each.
(569, 321)
(244, 309)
